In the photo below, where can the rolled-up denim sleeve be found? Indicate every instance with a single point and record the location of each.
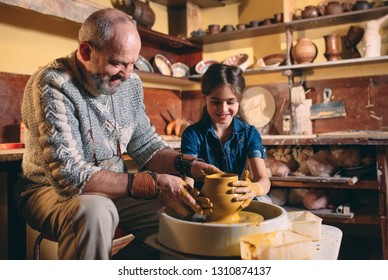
(190, 143)
(255, 144)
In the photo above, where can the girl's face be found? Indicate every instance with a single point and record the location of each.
(222, 105)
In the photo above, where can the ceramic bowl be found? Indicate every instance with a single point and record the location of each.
(241, 60)
(202, 66)
(274, 59)
(143, 64)
(180, 70)
(163, 65)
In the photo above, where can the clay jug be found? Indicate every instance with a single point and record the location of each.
(140, 11)
(216, 187)
(332, 8)
(332, 47)
(309, 11)
(362, 5)
(304, 51)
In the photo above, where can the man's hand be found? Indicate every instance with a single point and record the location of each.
(176, 195)
(200, 169)
(204, 202)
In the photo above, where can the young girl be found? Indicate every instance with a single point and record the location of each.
(222, 139)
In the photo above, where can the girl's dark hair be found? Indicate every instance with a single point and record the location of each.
(219, 74)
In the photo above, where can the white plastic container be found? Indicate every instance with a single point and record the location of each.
(305, 223)
(278, 245)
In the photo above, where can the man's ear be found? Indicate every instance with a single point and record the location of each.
(85, 51)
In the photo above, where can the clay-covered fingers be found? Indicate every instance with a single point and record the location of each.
(243, 188)
(204, 202)
(200, 169)
(190, 201)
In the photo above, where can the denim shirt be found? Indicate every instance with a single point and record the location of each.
(200, 140)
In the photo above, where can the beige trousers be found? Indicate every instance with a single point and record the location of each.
(84, 225)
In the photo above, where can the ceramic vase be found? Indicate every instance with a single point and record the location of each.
(217, 188)
(304, 51)
(332, 44)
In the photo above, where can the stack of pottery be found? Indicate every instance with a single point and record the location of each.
(304, 51)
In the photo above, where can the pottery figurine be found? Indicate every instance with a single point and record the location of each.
(304, 51)
(217, 188)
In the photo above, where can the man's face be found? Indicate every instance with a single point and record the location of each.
(111, 66)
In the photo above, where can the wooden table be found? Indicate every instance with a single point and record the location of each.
(10, 163)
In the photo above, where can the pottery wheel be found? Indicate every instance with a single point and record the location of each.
(217, 239)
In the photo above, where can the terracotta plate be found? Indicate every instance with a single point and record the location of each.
(258, 106)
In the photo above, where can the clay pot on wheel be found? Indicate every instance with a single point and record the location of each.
(304, 51)
(216, 187)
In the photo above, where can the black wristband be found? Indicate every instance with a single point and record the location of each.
(182, 164)
(130, 180)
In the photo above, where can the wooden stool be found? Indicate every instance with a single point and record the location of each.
(120, 240)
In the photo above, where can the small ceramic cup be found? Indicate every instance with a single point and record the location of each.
(255, 23)
(278, 17)
(240, 26)
(227, 27)
(213, 29)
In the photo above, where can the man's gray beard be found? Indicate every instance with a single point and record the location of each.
(103, 86)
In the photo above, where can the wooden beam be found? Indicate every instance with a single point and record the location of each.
(74, 10)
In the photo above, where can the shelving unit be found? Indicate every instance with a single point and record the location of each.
(368, 216)
(153, 42)
(302, 24)
(181, 4)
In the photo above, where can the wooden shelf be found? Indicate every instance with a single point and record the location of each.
(303, 24)
(338, 63)
(164, 80)
(330, 20)
(369, 217)
(327, 183)
(181, 4)
(334, 138)
(239, 34)
(159, 39)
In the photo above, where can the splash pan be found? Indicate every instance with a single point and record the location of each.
(216, 239)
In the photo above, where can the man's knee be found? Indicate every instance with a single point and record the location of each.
(96, 209)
